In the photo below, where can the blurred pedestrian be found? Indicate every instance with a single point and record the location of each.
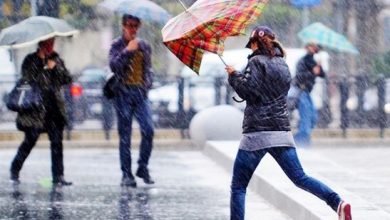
(264, 85)
(130, 61)
(306, 73)
(107, 117)
(45, 68)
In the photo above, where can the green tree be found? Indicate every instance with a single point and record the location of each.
(49, 8)
(367, 31)
(381, 64)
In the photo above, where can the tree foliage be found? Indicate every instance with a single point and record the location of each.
(80, 13)
(381, 64)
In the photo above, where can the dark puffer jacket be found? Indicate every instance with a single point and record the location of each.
(264, 85)
(50, 82)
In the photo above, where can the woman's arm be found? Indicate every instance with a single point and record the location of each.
(247, 85)
(57, 68)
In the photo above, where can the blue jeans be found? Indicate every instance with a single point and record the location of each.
(246, 163)
(132, 102)
(307, 121)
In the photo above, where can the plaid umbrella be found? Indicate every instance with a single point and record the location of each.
(205, 25)
(321, 34)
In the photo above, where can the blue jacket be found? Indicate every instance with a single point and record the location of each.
(264, 85)
(120, 59)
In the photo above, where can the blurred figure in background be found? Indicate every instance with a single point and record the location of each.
(307, 71)
(130, 61)
(45, 68)
(107, 117)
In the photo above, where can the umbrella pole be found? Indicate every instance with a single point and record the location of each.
(13, 58)
(183, 5)
(223, 61)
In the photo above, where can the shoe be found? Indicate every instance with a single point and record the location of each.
(344, 211)
(129, 182)
(144, 174)
(60, 181)
(15, 178)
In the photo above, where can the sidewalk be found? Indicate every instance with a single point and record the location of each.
(349, 172)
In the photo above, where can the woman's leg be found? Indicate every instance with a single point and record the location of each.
(288, 160)
(244, 166)
(30, 138)
(55, 134)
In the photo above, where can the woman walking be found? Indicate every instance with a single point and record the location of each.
(45, 68)
(264, 85)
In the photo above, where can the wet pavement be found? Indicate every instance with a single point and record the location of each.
(359, 174)
(188, 186)
(363, 171)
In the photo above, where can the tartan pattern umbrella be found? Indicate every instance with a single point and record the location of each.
(321, 34)
(205, 25)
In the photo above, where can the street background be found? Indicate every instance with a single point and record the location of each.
(350, 149)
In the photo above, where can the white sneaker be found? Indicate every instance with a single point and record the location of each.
(344, 211)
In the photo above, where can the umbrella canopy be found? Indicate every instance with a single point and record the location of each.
(144, 9)
(34, 29)
(321, 34)
(205, 25)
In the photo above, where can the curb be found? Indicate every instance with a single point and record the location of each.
(272, 184)
(330, 142)
(160, 144)
(94, 135)
(320, 137)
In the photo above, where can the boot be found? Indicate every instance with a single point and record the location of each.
(14, 177)
(143, 173)
(128, 181)
(60, 181)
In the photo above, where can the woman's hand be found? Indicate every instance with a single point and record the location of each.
(51, 64)
(230, 69)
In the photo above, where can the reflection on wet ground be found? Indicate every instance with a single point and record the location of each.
(188, 186)
(132, 204)
(22, 209)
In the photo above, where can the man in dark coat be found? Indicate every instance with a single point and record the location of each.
(307, 72)
(45, 68)
(130, 61)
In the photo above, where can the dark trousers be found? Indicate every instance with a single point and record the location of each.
(133, 103)
(55, 134)
(245, 164)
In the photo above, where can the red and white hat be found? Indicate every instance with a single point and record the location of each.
(259, 32)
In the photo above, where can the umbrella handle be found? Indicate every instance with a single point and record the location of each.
(223, 61)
